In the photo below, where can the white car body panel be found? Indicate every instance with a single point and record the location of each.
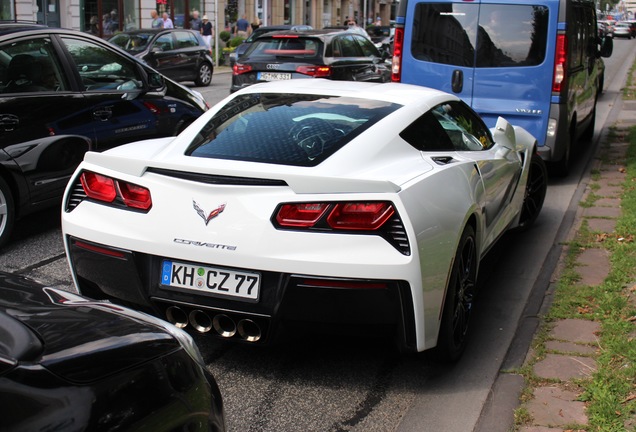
(435, 202)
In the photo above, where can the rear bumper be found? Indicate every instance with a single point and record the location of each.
(287, 300)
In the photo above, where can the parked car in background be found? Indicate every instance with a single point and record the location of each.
(352, 28)
(240, 50)
(70, 363)
(177, 53)
(379, 33)
(609, 26)
(605, 30)
(351, 206)
(332, 54)
(622, 30)
(63, 93)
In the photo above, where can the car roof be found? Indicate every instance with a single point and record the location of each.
(309, 33)
(7, 27)
(153, 31)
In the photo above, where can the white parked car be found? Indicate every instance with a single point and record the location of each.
(345, 204)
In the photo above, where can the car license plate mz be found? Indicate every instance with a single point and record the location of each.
(212, 280)
(273, 76)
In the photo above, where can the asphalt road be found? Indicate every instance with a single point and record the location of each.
(359, 382)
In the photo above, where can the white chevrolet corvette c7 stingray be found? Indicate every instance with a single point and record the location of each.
(318, 203)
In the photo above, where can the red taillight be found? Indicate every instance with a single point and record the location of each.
(352, 216)
(239, 68)
(396, 62)
(315, 71)
(360, 215)
(135, 196)
(300, 215)
(98, 187)
(560, 63)
(106, 189)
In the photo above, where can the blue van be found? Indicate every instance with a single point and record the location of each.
(535, 62)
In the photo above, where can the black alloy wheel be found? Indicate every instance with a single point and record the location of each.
(458, 304)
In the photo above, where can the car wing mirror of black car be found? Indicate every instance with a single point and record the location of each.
(133, 89)
(607, 46)
(156, 49)
(155, 81)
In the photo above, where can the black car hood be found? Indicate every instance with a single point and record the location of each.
(77, 339)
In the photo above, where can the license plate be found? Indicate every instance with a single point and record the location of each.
(211, 280)
(273, 76)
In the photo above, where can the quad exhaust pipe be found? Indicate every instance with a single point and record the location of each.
(223, 325)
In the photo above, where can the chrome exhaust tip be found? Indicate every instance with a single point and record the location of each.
(177, 317)
(200, 321)
(249, 330)
(224, 325)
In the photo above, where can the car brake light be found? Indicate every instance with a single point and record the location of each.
(315, 71)
(239, 69)
(107, 189)
(301, 214)
(560, 63)
(284, 36)
(396, 62)
(356, 216)
(135, 196)
(98, 187)
(360, 215)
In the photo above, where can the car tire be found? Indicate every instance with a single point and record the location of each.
(458, 304)
(7, 212)
(534, 195)
(204, 75)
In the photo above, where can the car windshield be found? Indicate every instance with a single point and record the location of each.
(284, 46)
(286, 129)
(131, 42)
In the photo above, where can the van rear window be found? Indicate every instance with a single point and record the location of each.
(475, 35)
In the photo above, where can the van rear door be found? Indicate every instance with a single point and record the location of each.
(439, 45)
(514, 63)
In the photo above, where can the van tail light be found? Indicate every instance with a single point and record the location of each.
(106, 189)
(239, 69)
(560, 63)
(352, 216)
(396, 62)
(315, 71)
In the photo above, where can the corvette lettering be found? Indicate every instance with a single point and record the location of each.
(204, 244)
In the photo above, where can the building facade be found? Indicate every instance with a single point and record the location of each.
(104, 17)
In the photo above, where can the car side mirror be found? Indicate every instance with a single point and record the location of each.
(607, 46)
(155, 81)
(156, 49)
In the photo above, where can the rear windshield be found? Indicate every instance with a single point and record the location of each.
(475, 35)
(286, 129)
(285, 47)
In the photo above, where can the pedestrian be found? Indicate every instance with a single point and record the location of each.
(156, 21)
(242, 26)
(195, 21)
(207, 32)
(167, 22)
(255, 24)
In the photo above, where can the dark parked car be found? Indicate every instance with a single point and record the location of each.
(240, 50)
(332, 54)
(177, 53)
(63, 93)
(70, 363)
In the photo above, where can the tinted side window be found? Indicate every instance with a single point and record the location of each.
(491, 36)
(464, 128)
(349, 47)
(427, 134)
(165, 42)
(368, 49)
(186, 40)
(102, 69)
(30, 66)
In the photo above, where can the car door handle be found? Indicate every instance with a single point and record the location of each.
(9, 122)
(457, 82)
(103, 113)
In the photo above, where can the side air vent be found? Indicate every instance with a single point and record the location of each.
(395, 233)
(217, 179)
(76, 196)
